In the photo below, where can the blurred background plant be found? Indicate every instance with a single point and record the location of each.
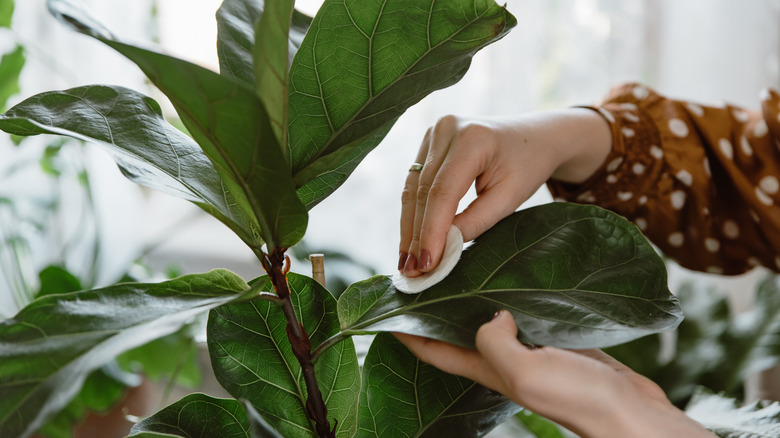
(51, 242)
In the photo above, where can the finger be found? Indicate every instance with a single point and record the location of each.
(450, 358)
(409, 202)
(485, 211)
(457, 173)
(549, 380)
(439, 145)
(513, 362)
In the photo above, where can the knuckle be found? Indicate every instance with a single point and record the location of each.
(446, 123)
(408, 195)
(438, 190)
(422, 192)
(473, 224)
(475, 133)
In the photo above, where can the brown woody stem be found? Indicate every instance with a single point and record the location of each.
(277, 265)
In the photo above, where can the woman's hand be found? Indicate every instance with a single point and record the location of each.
(587, 391)
(508, 159)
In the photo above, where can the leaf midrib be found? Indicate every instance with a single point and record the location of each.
(481, 293)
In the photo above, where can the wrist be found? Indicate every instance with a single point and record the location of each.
(582, 145)
(653, 419)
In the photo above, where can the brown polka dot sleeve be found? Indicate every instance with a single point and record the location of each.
(700, 181)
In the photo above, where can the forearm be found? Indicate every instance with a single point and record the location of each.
(576, 140)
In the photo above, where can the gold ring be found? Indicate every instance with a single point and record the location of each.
(416, 167)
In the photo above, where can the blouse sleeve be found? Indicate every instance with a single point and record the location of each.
(700, 181)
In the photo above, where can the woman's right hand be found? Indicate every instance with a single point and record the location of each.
(507, 159)
(587, 391)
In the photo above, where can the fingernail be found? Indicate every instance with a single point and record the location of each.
(496, 315)
(411, 263)
(402, 260)
(425, 259)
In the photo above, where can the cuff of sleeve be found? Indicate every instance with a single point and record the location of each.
(617, 185)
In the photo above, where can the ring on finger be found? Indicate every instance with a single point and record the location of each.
(416, 167)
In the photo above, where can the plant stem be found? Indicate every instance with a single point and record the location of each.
(276, 265)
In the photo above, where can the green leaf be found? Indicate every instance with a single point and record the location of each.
(256, 42)
(198, 415)
(728, 419)
(236, 21)
(52, 345)
(573, 276)
(230, 124)
(253, 360)
(362, 64)
(149, 150)
(6, 13)
(11, 65)
(56, 280)
(271, 58)
(403, 397)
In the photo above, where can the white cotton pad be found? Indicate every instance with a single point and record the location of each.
(453, 247)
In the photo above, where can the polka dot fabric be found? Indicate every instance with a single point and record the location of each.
(702, 182)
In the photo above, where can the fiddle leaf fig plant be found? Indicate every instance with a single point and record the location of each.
(297, 104)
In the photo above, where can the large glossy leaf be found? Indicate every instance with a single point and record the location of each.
(271, 59)
(236, 21)
(196, 416)
(230, 124)
(362, 64)
(404, 397)
(256, 43)
(728, 419)
(149, 150)
(11, 65)
(573, 276)
(252, 359)
(52, 345)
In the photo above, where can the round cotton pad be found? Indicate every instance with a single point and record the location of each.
(452, 249)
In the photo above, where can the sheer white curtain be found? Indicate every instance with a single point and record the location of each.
(562, 53)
